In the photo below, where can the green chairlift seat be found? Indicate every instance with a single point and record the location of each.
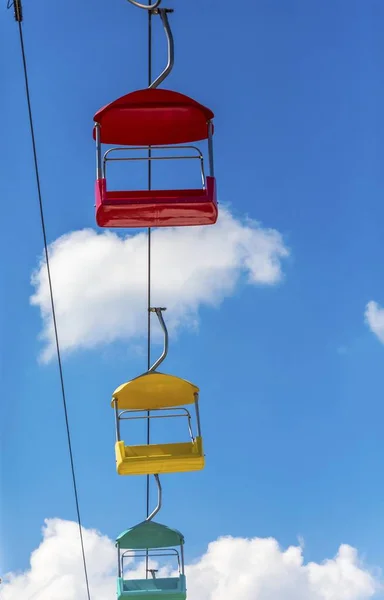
(150, 536)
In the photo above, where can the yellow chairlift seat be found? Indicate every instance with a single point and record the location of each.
(152, 392)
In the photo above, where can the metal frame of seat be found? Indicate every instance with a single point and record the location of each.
(159, 208)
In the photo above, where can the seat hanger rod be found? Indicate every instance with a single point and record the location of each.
(159, 499)
(159, 314)
(145, 6)
(163, 12)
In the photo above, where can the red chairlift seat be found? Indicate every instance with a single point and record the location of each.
(154, 117)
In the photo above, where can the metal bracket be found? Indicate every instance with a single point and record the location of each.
(17, 9)
(153, 572)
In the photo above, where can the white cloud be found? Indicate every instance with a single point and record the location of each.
(374, 318)
(56, 567)
(250, 569)
(100, 279)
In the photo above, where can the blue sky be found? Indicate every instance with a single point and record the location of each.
(290, 375)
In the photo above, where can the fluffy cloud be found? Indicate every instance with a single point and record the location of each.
(100, 279)
(257, 569)
(250, 569)
(56, 567)
(374, 318)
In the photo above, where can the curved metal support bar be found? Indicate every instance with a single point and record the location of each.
(134, 410)
(170, 147)
(99, 163)
(182, 559)
(163, 12)
(159, 314)
(146, 6)
(210, 149)
(159, 499)
(162, 552)
(119, 562)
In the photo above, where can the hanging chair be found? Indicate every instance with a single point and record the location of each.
(157, 392)
(153, 540)
(159, 119)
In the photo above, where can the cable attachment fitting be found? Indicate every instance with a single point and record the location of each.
(153, 572)
(17, 9)
(157, 11)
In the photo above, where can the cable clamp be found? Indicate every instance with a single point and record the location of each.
(17, 8)
(157, 11)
